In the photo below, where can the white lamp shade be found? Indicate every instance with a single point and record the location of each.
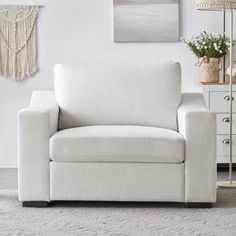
(215, 5)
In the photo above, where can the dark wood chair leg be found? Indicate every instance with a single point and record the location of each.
(199, 205)
(35, 204)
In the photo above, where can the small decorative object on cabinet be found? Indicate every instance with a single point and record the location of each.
(233, 72)
(209, 50)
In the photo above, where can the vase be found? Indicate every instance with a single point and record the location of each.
(209, 70)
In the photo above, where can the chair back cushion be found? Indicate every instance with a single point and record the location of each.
(118, 93)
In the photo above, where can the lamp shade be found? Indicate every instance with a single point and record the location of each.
(215, 5)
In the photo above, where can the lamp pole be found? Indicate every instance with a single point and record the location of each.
(224, 56)
(231, 98)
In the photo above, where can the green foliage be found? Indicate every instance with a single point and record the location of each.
(209, 45)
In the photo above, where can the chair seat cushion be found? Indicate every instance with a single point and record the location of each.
(117, 143)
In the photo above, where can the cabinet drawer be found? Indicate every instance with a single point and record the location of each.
(223, 123)
(219, 102)
(223, 147)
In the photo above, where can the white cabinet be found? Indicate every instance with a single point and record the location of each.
(217, 99)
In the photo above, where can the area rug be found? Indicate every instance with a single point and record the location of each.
(80, 218)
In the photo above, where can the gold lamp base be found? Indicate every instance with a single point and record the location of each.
(226, 184)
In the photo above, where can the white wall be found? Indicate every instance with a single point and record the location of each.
(75, 30)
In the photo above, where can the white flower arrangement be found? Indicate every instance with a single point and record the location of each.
(209, 45)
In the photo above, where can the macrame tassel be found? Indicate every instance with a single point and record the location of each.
(18, 52)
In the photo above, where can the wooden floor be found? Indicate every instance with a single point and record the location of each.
(8, 177)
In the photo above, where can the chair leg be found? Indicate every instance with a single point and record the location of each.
(35, 204)
(199, 205)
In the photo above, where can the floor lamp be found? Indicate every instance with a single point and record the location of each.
(224, 5)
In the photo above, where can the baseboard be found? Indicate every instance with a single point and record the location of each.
(8, 166)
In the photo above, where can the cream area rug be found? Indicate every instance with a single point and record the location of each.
(79, 218)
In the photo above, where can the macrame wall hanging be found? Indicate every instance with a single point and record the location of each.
(18, 41)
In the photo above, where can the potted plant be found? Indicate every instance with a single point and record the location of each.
(209, 50)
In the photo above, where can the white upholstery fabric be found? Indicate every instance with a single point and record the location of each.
(36, 124)
(117, 144)
(198, 126)
(117, 181)
(118, 94)
(117, 162)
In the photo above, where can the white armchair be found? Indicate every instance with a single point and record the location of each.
(124, 133)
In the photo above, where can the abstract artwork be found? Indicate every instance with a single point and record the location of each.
(146, 20)
(18, 52)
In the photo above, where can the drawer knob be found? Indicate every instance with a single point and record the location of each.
(226, 119)
(227, 98)
(226, 141)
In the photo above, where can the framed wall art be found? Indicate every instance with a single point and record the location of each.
(146, 20)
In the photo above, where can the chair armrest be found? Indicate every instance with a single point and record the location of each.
(198, 126)
(43, 103)
(36, 124)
